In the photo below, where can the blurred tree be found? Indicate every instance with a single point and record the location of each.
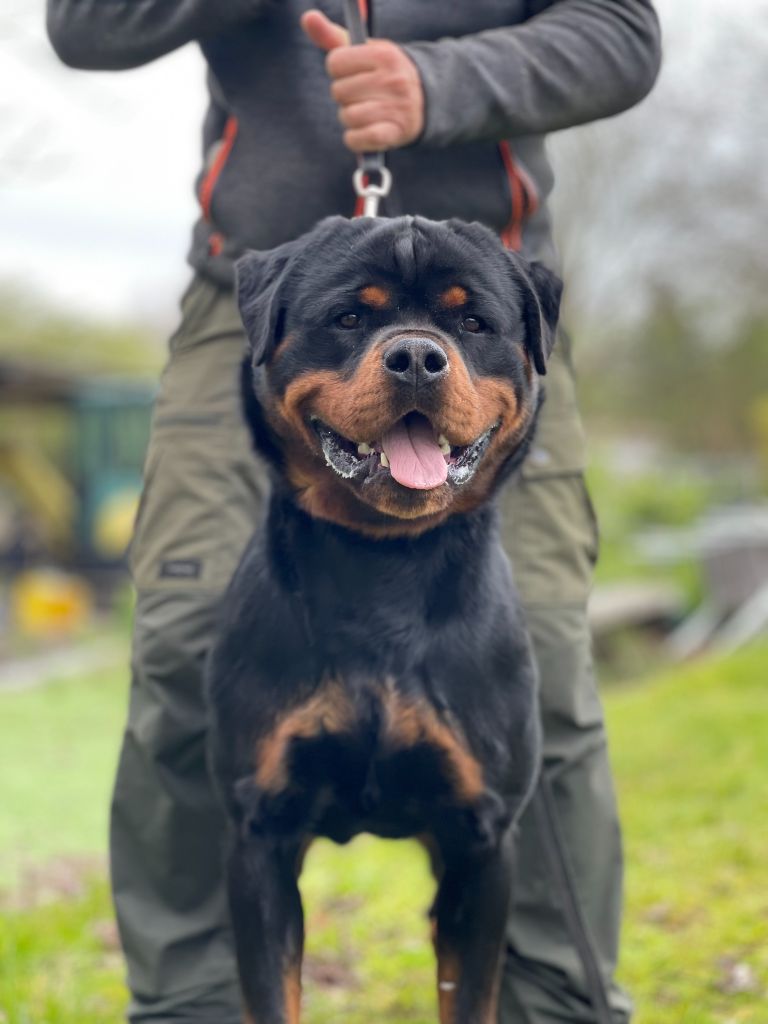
(31, 330)
(665, 383)
(670, 199)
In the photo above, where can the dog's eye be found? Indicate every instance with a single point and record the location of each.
(473, 324)
(349, 321)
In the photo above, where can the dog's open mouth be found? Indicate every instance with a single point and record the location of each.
(411, 452)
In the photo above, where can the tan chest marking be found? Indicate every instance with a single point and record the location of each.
(407, 722)
(410, 722)
(328, 711)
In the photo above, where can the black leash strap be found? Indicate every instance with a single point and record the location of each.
(372, 179)
(357, 28)
(545, 812)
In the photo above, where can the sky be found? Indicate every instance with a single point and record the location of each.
(96, 174)
(97, 169)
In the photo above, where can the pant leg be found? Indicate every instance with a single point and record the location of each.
(202, 497)
(550, 535)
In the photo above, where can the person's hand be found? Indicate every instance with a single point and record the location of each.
(377, 87)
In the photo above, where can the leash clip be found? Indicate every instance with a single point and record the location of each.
(370, 190)
(372, 180)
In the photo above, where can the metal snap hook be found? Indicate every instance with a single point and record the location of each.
(372, 192)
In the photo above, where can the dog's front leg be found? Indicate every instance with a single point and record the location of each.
(470, 914)
(268, 922)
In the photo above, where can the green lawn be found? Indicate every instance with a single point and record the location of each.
(690, 755)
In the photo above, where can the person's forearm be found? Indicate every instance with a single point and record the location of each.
(576, 61)
(114, 34)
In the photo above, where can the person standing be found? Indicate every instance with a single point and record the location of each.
(461, 96)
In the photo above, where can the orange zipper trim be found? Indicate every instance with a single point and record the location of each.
(523, 197)
(208, 183)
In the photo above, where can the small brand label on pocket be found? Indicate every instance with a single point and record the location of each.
(181, 569)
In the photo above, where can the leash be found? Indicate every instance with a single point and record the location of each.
(561, 873)
(372, 180)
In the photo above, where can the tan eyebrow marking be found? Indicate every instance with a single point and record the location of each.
(454, 296)
(374, 295)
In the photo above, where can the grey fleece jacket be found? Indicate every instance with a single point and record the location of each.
(497, 77)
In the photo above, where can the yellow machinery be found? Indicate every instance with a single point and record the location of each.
(71, 452)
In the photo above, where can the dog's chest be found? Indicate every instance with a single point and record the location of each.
(362, 757)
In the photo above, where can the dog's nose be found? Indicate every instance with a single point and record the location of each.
(416, 361)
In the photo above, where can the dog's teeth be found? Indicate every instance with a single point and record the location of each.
(364, 449)
(445, 444)
(384, 460)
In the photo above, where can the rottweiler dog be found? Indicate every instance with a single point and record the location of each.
(373, 672)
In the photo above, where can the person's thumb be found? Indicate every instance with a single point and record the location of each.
(322, 31)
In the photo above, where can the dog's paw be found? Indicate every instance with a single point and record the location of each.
(487, 821)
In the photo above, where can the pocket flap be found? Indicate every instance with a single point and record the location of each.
(558, 449)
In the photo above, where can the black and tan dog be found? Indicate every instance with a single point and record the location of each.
(373, 672)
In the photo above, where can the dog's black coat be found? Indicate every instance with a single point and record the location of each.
(373, 672)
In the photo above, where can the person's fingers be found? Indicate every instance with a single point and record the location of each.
(358, 115)
(356, 88)
(376, 86)
(323, 32)
(398, 86)
(374, 137)
(375, 55)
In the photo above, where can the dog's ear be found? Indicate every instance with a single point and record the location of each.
(542, 293)
(259, 280)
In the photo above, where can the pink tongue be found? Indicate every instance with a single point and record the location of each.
(415, 459)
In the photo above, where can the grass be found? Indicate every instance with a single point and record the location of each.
(59, 751)
(689, 753)
(690, 756)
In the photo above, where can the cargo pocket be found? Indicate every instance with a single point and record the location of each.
(149, 473)
(558, 449)
(201, 503)
(549, 526)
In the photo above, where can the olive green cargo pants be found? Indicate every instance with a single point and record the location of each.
(202, 495)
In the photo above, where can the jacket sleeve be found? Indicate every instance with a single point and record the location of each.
(574, 61)
(111, 35)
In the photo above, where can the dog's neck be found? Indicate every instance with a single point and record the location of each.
(338, 577)
(301, 537)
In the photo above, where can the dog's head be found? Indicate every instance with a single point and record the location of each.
(396, 366)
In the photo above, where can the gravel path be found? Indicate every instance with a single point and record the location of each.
(60, 664)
